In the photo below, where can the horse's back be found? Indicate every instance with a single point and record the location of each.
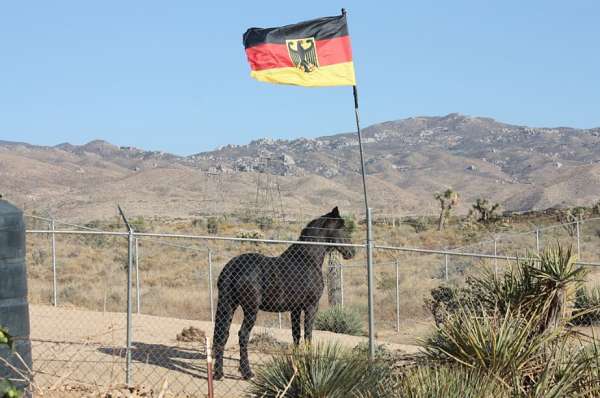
(242, 267)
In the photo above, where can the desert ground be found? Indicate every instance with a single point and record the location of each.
(74, 347)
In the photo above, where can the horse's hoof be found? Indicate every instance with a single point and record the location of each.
(217, 375)
(247, 375)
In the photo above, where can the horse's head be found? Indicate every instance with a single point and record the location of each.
(329, 228)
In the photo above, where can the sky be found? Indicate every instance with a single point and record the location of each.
(173, 76)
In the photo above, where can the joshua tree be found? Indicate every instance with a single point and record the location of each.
(486, 210)
(569, 219)
(448, 199)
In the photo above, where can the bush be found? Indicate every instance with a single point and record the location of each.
(264, 222)
(319, 370)
(212, 225)
(496, 344)
(587, 306)
(7, 390)
(197, 223)
(339, 320)
(447, 382)
(515, 330)
(349, 225)
(543, 285)
(249, 235)
(420, 224)
(444, 300)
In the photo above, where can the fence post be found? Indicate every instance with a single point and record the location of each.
(495, 257)
(578, 241)
(370, 285)
(280, 320)
(210, 287)
(446, 267)
(397, 296)
(54, 287)
(341, 285)
(130, 249)
(137, 277)
(537, 240)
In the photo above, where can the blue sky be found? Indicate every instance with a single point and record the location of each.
(173, 75)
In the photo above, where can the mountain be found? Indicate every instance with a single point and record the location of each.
(407, 160)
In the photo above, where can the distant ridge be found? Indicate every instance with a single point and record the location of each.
(521, 167)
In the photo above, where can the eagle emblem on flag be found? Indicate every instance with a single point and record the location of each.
(303, 53)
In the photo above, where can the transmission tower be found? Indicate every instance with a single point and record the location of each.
(268, 200)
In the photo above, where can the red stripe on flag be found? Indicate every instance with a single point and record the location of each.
(269, 56)
(334, 51)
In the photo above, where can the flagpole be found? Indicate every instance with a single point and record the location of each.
(369, 229)
(360, 147)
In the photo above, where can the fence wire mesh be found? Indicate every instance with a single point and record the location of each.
(187, 288)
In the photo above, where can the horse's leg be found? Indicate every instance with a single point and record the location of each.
(295, 316)
(250, 312)
(309, 317)
(225, 310)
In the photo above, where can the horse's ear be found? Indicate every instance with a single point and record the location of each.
(335, 212)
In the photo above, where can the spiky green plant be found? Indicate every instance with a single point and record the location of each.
(448, 382)
(339, 319)
(587, 306)
(498, 344)
(539, 286)
(317, 371)
(566, 370)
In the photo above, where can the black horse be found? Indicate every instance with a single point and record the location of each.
(291, 282)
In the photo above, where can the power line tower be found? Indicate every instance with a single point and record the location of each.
(268, 202)
(213, 194)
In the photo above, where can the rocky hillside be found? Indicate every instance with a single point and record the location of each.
(408, 160)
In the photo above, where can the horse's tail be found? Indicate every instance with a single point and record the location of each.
(227, 303)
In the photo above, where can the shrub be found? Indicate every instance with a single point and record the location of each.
(543, 285)
(212, 225)
(264, 222)
(497, 344)
(7, 390)
(420, 224)
(587, 306)
(349, 225)
(138, 224)
(318, 370)
(444, 300)
(197, 223)
(338, 319)
(249, 235)
(514, 330)
(448, 382)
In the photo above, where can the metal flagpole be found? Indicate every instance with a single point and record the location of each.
(369, 229)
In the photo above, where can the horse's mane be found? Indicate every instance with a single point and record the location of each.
(313, 229)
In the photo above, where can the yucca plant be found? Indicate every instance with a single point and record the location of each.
(541, 287)
(448, 382)
(587, 306)
(499, 344)
(558, 278)
(566, 370)
(315, 371)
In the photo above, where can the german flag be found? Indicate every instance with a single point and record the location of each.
(311, 53)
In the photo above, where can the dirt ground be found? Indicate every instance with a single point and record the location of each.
(74, 347)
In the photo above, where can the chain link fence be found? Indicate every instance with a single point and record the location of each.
(78, 281)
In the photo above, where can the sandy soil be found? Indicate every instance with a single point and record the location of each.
(79, 347)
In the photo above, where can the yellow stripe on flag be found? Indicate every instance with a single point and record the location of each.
(341, 74)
